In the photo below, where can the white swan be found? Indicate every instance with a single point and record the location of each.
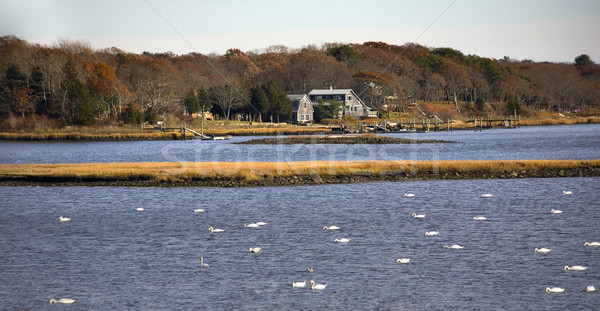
(567, 192)
(139, 208)
(403, 260)
(66, 301)
(575, 268)
(202, 264)
(431, 233)
(255, 250)
(590, 288)
(313, 285)
(211, 229)
(479, 218)
(453, 246)
(554, 290)
(592, 244)
(331, 228)
(251, 225)
(342, 240)
(556, 211)
(409, 195)
(418, 216)
(198, 210)
(261, 223)
(487, 195)
(542, 250)
(63, 218)
(299, 284)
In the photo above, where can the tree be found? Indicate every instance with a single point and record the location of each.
(327, 110)
(259, 101)
(279, 104)
(191, 103)
(203, 101)
(80, 105)
(583, 61)
(227, 96)
(342, 53)
(133, 114)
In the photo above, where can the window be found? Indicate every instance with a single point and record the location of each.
(307, 117)
(349, 97)
(302, 117)
(304, 104)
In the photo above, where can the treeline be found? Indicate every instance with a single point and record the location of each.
(72, 84)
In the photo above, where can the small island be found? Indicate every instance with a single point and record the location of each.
(338, 139)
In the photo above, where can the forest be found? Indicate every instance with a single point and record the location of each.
(69, 83)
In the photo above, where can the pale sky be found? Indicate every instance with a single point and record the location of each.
(541, 30)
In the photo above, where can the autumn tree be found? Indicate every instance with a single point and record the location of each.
(227, 96)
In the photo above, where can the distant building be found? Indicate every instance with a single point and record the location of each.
(302, 108)
(352, 104)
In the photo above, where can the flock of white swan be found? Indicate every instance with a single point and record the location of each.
(405, 260)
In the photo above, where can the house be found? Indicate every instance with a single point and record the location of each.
(302, 111)
(352, 104)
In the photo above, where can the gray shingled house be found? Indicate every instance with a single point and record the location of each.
(352, 104)
(302, 108)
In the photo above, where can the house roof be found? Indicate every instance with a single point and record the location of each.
(295, 100)
(293, 97)
(330, 92)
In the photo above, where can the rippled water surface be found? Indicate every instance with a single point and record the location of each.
(551, 142)
(112, 257)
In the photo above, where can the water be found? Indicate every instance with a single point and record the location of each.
(551, 142)
(110, 256)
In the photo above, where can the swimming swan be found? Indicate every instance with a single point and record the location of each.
(479, 218)
(431, 233)
(64, 218)
(453, 246)
(251, 225)
(487, 195)
(567, 192)
(261, 223)
(255, 250)
(331, 228)
(418, 216)
(542, 250)
(409, 195)
(299, 284)
(590, 288)
(575, 268)
(317, 286)
(403, 260)
(211, 229)
(556, 211)
(202, 264)
(554, 290)
(342, 240)
(591, 244)
(198, 210)
(66, 301)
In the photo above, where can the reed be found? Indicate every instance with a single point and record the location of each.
(256, 171)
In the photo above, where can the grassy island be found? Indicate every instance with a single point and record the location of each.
(247, 174)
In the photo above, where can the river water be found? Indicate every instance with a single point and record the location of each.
(111, 256)
(551, 142)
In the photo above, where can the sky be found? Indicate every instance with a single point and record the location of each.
(539, 30)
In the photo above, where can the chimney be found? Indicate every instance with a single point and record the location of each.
(331, 87)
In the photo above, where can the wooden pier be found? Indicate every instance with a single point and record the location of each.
(509, 121)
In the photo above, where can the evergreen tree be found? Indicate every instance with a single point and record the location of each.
(259, 101)
(191, 103)
(203, 100)
(79, 100)
(280, 105)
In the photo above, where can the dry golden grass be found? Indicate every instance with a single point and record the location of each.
(90, 136)
(263, 131)
(181, 171)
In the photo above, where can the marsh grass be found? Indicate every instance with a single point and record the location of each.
(247, 171)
